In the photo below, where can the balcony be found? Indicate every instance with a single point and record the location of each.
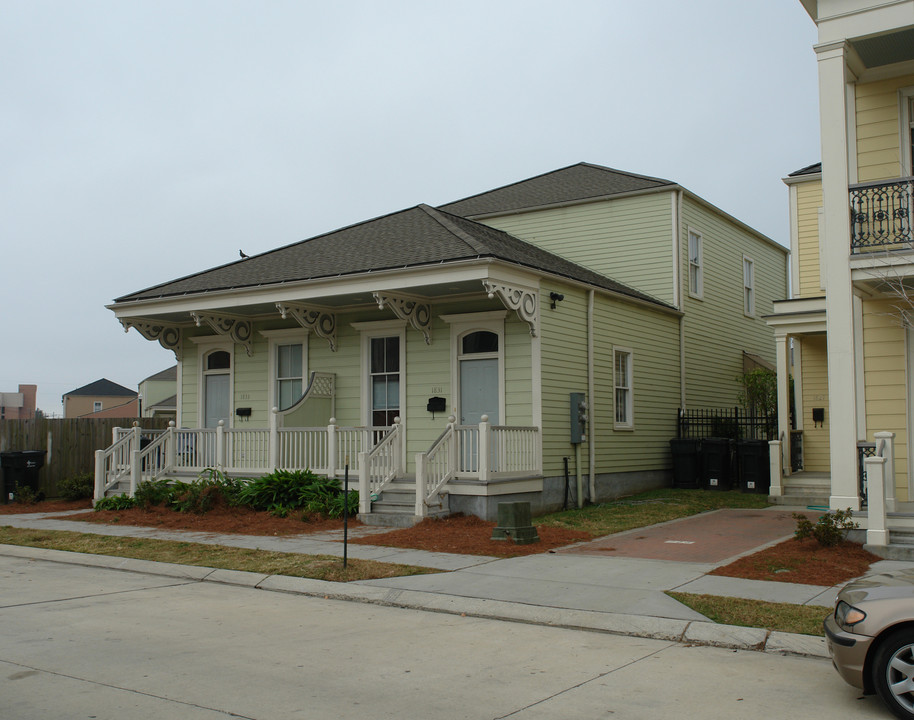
(881, 216)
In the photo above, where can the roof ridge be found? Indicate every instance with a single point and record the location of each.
(627, 173)
(517, 182)
(444, 220)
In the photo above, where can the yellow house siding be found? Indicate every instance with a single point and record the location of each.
(884, 359)
(716, 329)
(809, 200)
(878, 131)
(815, 395)
(627, 239)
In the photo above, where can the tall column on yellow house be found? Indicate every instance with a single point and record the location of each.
(834, 81)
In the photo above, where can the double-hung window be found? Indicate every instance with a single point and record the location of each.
(288, 374)
(748, 286)
(622, 380)
(384, 376)
(696, 270)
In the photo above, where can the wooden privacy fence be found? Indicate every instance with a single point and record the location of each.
(69, 443)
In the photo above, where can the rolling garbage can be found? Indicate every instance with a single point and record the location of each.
(20, 470)
(754, 466)
(715, 464)
(686, 466)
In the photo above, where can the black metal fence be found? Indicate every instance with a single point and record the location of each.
(733, 423)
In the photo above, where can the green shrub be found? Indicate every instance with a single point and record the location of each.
(116, 502)
(153, 492)
(830, 529)
(283, 491)
(24, 495)
(77, 487)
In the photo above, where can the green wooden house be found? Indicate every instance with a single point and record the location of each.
(461, 356)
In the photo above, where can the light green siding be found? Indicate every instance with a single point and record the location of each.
(627, 239)
(653, 338)
(716, 329)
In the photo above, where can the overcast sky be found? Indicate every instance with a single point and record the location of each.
(144, 140)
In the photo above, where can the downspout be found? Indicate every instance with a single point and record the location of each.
(591, 433)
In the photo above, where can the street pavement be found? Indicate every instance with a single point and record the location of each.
(614, 585)
(80, 641)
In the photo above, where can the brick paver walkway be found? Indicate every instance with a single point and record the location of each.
(707, 538)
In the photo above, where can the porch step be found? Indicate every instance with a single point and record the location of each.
(900, 547)
(396, 506)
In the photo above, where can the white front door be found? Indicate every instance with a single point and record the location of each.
(216, 399)
(479, 391)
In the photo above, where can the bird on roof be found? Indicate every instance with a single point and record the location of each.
(243, 256)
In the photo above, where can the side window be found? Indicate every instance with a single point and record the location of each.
(748, 286)
(288, 374)
(622, 380)
(97, 406)
(696, 267)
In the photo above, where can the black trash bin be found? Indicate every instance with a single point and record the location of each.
(20, 470)
(754, 466)
(686, 466)
(715, 464)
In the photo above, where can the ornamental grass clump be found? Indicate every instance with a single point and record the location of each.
(830, 529)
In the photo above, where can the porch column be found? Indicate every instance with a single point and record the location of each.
(482, 458)
(834, 80)
(783, 368)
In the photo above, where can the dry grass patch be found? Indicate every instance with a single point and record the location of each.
(319, 567)
(781, 617)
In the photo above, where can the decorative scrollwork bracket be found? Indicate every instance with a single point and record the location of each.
(317, 320)
(417, 313)
(240, 330)
(169, 336)
(522, 300)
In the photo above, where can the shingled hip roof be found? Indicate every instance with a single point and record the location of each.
(416, 237)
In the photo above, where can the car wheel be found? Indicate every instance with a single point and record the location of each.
(893, 672)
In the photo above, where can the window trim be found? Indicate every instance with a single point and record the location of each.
(698, 291)
(369, 330)
(748, 286)
(276, 338)
(628, 424)
(97, 406)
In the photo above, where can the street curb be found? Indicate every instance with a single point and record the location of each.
(687, 632)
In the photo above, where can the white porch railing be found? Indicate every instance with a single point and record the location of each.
(380, 466)
(481, 452)
(138, 455)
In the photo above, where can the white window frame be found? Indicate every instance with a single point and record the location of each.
(276, 339)
(97, 406)
(696, 289)
(629, 386)
(382, 328)
(206, 345)
(748, 286)
(462, 324)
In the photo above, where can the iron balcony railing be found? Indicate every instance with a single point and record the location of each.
(881, 215)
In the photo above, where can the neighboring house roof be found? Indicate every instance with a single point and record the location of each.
(808, 170)
(167, 374)
(102, 388)
(419, 236)
(169, 403)
(575, 183)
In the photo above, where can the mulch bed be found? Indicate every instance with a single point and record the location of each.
(803, 561)
(15, 508)
(237, 520)
(469, 535)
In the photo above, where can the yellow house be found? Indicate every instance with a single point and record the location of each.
(845, 336)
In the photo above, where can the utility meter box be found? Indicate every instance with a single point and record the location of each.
(578, 418)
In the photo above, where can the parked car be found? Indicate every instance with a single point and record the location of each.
(870, 638)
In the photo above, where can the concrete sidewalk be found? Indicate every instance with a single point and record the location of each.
(569, 588)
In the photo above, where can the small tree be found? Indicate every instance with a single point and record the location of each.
(760, 391)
